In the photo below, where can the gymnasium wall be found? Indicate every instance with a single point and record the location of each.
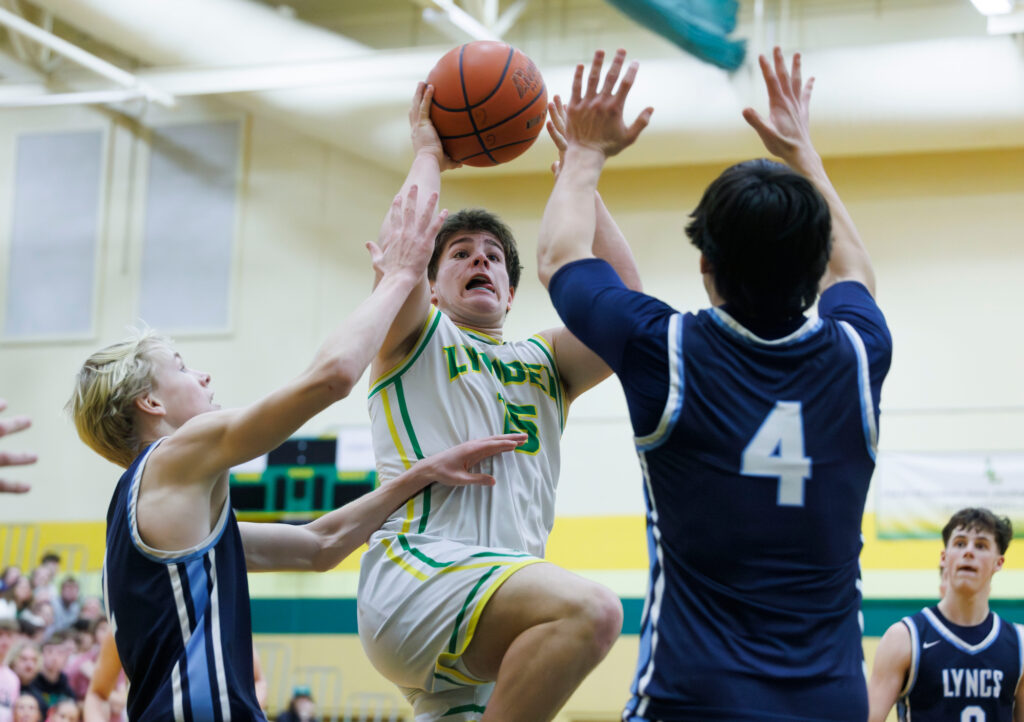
(944, 231)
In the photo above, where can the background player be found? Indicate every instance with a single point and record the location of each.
(451, 596)
(755, 426)
(174, 572)
(956, 660)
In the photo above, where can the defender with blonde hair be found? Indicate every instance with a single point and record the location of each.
(174, 573)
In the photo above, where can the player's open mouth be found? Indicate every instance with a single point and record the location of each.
(480, 281)
(967, 568)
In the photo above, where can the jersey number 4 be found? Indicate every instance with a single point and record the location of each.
(777, 450)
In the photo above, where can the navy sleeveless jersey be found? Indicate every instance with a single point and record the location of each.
(180, 619)
(756, 457)
(950, 679)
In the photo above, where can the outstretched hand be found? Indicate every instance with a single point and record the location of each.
(452, 467)
(594, 117)
(786, 133)
(14, 458)
(556, 129)
(424, 134)
(410, 236)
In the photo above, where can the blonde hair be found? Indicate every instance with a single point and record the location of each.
(105, 389)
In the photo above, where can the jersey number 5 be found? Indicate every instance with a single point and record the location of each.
(777, 450)
(517, 418)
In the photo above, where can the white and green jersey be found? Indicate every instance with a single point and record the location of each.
(458, 384)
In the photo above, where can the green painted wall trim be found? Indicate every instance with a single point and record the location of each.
(338, 616)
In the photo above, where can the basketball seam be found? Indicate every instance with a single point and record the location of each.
(465, 97)
(498, 147)
(507, 119)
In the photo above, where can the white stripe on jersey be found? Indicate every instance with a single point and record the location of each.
(218, 652)
(867, 405)
(179, 603)
(675, 387)
(657, 592)
(915, 652)
(179, 704)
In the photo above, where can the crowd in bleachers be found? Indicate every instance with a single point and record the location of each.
(50, 639)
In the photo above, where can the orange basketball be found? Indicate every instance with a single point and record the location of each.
(489, 102)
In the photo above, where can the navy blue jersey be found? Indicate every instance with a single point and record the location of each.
(180, 619)
(951, 679)
(756, 457)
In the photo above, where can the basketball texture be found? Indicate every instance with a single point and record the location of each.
(489, 102)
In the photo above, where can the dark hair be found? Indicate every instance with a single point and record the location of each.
(50, 557)
(477, 219)
(981, 520)
(767, 234)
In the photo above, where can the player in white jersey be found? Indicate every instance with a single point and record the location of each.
(453, 595)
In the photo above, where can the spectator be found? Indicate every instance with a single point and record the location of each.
(14, 458)
(92, 610)
(9, 577)
(28, 709)
(10, 686)
(67, 606)
(64, 710)
(50, 684)
(24, 659)
(301, 708)
(15, 600)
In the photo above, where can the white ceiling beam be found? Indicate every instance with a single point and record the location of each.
(359, 70)
(510, 17)
(83, 58)
(459, 18)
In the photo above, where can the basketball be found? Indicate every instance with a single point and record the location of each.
(489, 102)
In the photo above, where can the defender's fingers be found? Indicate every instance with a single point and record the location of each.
(577, 85)
(595, 73)
(13, 487)
(557, 136)
(781, 71)
(13, 424)
(614, 70)
(627, 81)
(17, 458)
(805, 98)
(427, 212)
(756, 122)
(771, 80)
(435, 224)
(409, 207)
(639, 124)
(797, 76)
(3, 404)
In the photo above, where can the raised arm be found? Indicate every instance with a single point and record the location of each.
(322, 544)
(429, 161)
(14, 458)
(210, 443)
(609, 242)
(889, 672)
(786, 134)
(576, 225)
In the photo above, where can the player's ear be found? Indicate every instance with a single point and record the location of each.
(511, 296)
(433, 293)
(705, 265)
(149, 403)
(999, 562)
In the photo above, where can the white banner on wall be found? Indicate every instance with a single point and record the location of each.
(916, 493)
